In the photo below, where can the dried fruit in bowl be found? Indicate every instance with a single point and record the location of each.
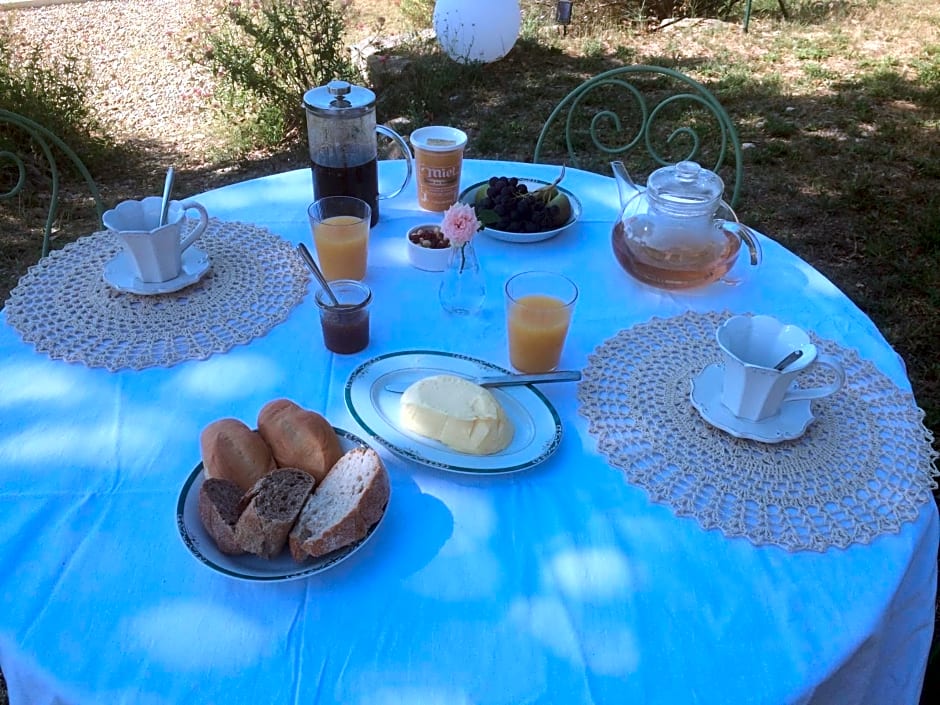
(429, 236)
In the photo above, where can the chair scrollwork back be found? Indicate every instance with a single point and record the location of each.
(647, 116)
(47, 147)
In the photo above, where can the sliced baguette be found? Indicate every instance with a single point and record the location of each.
(342, 509)
(269, 510)
(219, 509)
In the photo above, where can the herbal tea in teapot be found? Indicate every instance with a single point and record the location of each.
(669, 235)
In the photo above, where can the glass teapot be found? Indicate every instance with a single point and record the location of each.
(341, 132)
(672, 234)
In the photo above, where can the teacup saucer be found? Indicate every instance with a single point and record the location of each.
(119, 273)
(791, 422)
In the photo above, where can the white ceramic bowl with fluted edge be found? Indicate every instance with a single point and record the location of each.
(427, 258)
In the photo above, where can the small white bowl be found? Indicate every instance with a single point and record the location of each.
(426, 258)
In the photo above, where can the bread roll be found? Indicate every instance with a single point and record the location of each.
(270, 510)
(458, 413)
(342, 509)
(299, 438)
(219, 509)
(232, 451)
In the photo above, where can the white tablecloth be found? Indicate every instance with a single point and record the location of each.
(559, 584)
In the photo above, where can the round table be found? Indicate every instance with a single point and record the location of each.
(561, 583)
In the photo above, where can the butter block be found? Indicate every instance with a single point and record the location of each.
(458, 413)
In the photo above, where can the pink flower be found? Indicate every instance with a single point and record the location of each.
(460, 224)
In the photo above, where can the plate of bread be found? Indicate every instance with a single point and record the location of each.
(288, 499)
(423, 406)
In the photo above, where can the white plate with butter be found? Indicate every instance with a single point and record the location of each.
(536, 425)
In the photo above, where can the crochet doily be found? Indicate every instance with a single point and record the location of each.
(65, 308)
(864, 466)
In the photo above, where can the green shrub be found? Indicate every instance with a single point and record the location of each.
(266, 54)
(53, 93)
(419, 13)
(593, 48)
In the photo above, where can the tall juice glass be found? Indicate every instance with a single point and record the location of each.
(539, 306)
(340, 227)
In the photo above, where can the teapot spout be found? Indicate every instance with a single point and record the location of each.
(625, 185)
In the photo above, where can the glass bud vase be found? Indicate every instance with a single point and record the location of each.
(463, 286)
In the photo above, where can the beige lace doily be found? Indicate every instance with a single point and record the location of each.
(65, 308)
(864, 466)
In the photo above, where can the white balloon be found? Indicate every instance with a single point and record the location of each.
(477, 30)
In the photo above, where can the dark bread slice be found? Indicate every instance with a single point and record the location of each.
(219, 509)
(270, 509)
(342, 509)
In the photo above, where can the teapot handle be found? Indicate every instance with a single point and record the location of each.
(748, 237)
(392, 135)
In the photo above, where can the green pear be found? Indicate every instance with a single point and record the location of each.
(564, 208)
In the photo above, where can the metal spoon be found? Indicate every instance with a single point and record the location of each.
(788, 360)
(165, 203)
(312, 264)
(398, 386)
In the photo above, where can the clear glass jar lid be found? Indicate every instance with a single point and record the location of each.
(685, 187)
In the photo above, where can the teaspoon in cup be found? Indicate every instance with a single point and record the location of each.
(788, 360)
(167, 189)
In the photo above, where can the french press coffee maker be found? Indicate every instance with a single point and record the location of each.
(341, 132)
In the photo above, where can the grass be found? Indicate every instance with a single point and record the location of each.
(839, 108)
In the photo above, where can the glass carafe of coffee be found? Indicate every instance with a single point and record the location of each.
(341, 132)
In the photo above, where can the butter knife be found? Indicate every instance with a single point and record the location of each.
(398, 386)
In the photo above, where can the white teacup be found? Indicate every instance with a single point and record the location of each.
(752, 346)
(156, 251)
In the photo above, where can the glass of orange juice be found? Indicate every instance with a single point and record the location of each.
(539, 306)
(340, 227)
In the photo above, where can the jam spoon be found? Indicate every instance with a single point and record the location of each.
(312, 264)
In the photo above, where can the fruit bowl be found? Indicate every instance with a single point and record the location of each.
(421, 254)
(472, 194)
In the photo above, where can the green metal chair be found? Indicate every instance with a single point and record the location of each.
(646, 116)
(48, 147)
(747, 12)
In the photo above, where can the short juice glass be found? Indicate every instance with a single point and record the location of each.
(539, 306)
(340, 227)
(345, 327)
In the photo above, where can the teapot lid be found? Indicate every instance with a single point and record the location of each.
(685, 186)
(339, 97)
